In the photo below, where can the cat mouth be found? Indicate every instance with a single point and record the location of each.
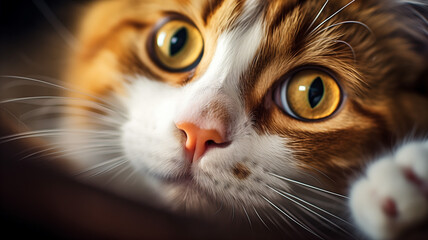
(188, 181)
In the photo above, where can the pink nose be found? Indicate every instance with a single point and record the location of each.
(198, 140)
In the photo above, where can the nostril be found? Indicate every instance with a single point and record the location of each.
(183, 133)
(212, 143)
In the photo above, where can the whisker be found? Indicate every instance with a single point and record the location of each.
(331, 16)
(260, 218)
(67, 152)
(307, 218)
(133, 173)
(350, 47)
(69, 112)
(308, 209)
(110, 168)
(316, 207)
(248, 217)
(127, 167)
(88, 103)
(348, 22)
(37, 153)
(422, 17)
(275, 222)
(53, 132)
(418, 3)
(316, 17)
(112, 133)
(219, 210)
(19, 121)
(58, 86)
(62, 152)
(102, 164)
(330, 201)
(233, 213)
(291, 218)
(309, 186)
(318, 171)
(56, 24)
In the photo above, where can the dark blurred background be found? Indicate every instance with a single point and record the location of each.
(34, 34)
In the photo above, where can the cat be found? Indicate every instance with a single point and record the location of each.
(283, 113)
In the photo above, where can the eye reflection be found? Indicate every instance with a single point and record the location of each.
(176, 46)
(309, 94)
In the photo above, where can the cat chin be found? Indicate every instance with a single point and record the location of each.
(187, 198)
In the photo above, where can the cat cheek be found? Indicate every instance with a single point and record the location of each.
(153, 150)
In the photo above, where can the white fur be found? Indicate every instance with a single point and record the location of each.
(235, 51)
(155, 146)
(385, 179)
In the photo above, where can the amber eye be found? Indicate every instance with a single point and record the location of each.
(176, 46)
(309, 94)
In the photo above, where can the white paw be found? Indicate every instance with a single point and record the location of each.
(393, 195)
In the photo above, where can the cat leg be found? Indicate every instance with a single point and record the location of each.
(393, 195)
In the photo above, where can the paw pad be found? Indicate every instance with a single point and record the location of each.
(390, 208)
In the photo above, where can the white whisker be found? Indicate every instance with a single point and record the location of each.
(316, 207)
(233, 212)
(46, 133)
(418, 3)
(133, 173)
(318, 171)
(56, 24)
(275, 222)
(281, 193)
(248, 217)
(37, 153)
(58, 86)
(61, 131)
(110, 168)
(219, 210)
(60, 152)
(10, 114)
(127, 167)
(331, 16)
(422, 17)
(348, 22)
(67, 113)
(260, 218)
(308, 186)
(102, 164)
(70, 152)
(88, 103)
(291, 218)
(319, 13)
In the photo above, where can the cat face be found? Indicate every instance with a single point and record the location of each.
(229, 103)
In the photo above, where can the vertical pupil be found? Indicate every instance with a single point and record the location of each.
(316, 92)
(178, 41)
